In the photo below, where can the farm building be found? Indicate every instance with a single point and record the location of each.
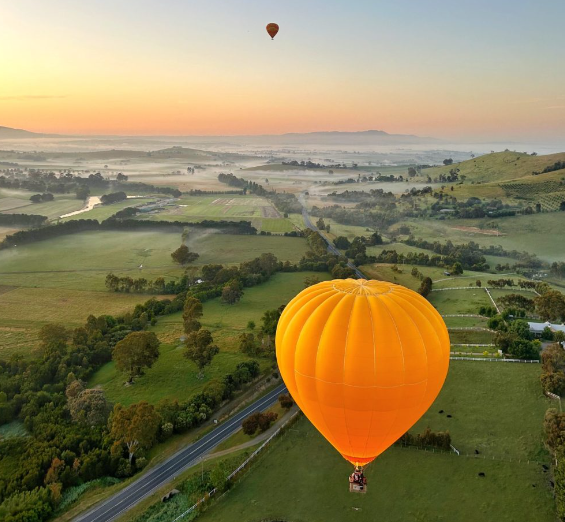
(537, 329)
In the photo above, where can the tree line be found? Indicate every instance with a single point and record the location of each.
(83, 225)
(28, 220)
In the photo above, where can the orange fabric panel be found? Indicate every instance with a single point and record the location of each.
(363, 360)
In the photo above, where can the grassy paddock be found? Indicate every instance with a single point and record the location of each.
(171, 377)
(384, 272)
(497, 408)
(81, 261)
(228, 322)
(534, 233)
(225, 248)
(460, 301)
(23, 311)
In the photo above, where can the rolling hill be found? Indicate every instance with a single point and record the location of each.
(498, 167)
(7, 133)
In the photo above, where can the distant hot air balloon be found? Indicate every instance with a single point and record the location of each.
(272, 29)
(363, 360)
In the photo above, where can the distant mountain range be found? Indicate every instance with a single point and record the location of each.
(7, 133)
(369, 137)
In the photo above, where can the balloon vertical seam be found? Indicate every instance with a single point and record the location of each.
(343, 374)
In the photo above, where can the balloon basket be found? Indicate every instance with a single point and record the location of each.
(357, 481)
(357, 488)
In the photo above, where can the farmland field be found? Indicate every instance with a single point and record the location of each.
(17, 202)
(172, 375)
(227, 322)
(533, 233)
(384, 272)
(81, 261)
(258, 210)
(459, 301)
(303, 459)
(226, 248)
(23, 311)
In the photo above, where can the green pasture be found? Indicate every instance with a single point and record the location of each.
(413, 485)
(81, 261)
(459, 301)
(228, 322)
(23, 311)
(171, 377)
(228, 249)
(533, 233)
(402, 276)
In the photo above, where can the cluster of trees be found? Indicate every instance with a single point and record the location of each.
(343, 243)
(553, 370)
(375, 195)
(517, 302)
(67, 423)
(514, 337)
(364, 214)
(501, 283)
(319, 260)
(42, 198)
(427, 439)
(558, 165)
(262, 343)
(550, 306)
(557, 269)
(425, 287)
(178, 417)
(420, 259)
(554, 425)
(183, 256)
(258, 421)
(113, 197)
(247, 186)
(28, 220)
(67, 182)
(311, 165)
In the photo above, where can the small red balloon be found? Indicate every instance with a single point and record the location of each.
(272, 29)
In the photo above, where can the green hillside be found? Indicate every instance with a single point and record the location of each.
(499, 166)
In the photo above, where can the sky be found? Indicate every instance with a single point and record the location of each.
(459, 69)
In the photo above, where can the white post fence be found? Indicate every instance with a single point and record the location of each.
(241, 467)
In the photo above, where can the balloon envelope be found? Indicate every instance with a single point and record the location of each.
(363, 360)
(272, 29)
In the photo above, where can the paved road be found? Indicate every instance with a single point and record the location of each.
(166, 471)
(331, 246)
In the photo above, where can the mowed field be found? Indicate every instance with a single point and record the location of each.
(304, 479)
(260, 211)
(17, 202)
(173, 376)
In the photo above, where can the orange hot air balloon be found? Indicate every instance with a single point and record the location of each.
(272, 29)
(363, 360)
